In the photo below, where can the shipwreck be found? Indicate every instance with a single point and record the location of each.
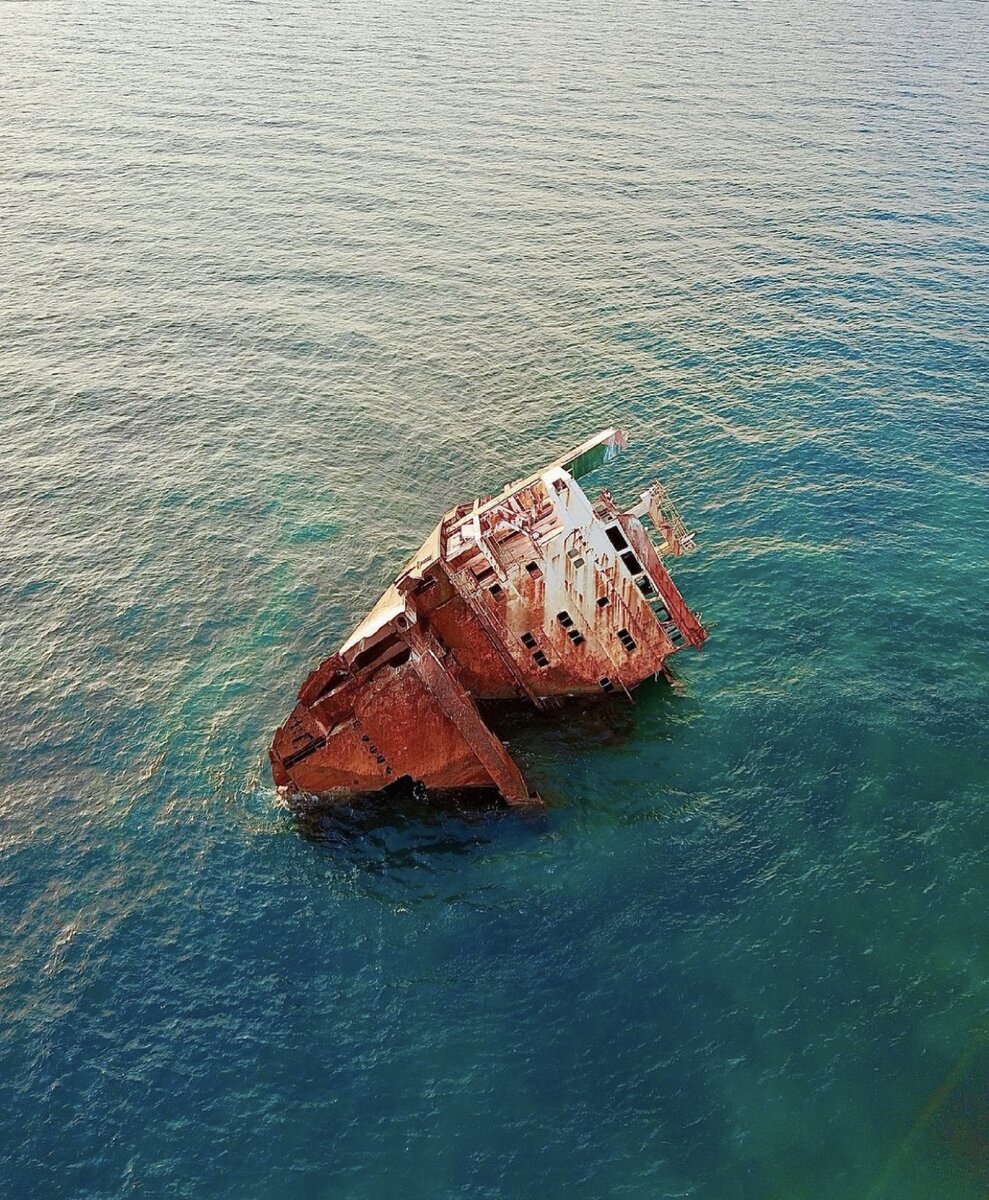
(536, 594)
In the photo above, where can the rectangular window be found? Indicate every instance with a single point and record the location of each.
(565, 619)
(495, 589)
(603, 601)
(528, 641)
(633, 564)
(605, 684)
(575, 636)
(540, 659)
(626, 640)
(645, 587)
(617, 538)
(533, 569)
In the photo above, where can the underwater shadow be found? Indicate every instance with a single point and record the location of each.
(544, 740)
(406, 844)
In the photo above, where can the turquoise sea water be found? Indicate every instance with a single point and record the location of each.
(281, 283)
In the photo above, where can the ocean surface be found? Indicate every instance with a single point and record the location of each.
(282, 282)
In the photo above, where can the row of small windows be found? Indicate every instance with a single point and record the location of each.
(577, 638)
(574, 634)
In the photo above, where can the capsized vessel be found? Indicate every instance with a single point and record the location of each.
(535, 594)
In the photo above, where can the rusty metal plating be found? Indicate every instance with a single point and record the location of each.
(534, 594)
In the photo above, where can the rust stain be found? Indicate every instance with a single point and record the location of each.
(535, 594)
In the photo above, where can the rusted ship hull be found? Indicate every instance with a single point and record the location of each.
(534, 594)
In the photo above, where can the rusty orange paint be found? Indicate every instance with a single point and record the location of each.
(535, 594)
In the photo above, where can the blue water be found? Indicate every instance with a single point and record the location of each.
(283, 282)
